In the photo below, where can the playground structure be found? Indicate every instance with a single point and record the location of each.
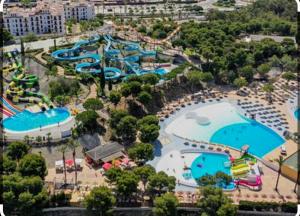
(125, 57)
(20, 82)
(246, 172)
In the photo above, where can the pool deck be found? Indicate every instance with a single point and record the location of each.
(169, 142)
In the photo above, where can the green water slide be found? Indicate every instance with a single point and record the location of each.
(29, 80)
(45, 99)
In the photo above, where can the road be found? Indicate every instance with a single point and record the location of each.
(46, 44)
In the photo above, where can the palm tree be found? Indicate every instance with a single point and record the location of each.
(279, 162)
(72, 144)
(63, 149)
(49, 138)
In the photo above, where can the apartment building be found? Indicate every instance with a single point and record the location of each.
(47, 16)
(79, 11)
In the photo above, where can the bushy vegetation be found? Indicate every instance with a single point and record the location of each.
(62, 89)
(23, 186)
(159, 29)
(92, 24)
(226, 57)
(268, 206)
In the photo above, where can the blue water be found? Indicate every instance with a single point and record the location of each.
(210, 163)
(260, 138)
(26, 120)
(161, 71)
(297, 114)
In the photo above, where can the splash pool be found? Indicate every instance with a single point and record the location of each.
(211, 163)
(227, 126)
(26, 120)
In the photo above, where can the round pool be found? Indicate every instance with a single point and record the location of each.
(26, 120)
(211, 163)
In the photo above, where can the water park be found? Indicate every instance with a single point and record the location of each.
(35, 114)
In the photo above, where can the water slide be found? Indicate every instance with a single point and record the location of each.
(251, 181)
(131, 60)
(93, 67)
(6, 112)
(240, 169)
(9, 106)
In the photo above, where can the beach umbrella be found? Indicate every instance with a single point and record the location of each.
(107, 166)
(69, 162)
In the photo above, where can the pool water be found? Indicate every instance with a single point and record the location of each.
(297, 114)
(210, 163)
(260, 138)
(227, 126)
(26, 120)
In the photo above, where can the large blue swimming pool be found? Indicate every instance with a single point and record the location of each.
(226, 126)
(26, 120)
(260, 138)
(210, 163)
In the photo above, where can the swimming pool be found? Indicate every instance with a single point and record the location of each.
(226, 126)
(210, 163)
(297, 114)
(26, 120)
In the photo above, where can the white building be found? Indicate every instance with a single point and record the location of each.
(79, 11)
(41, 19)
(48, 16)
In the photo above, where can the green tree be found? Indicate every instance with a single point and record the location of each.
(9, 166)
(247, 72)
(279, 161)
(115, 97)
(115, 117)
(268, 88)
(151, 79)
(223, 178)
(263, 69)
(206, 180)
(127, 184)
(148, 120)
(227, 209)
(214, 202)
(100, 199)
(87, 120)
(6, 36)
(93, 104)
(144, 97)
(195, 78)
(141, 152)
(161, 183)
(112, 174)
(17, 150)
(33, 165)
(288, 76)
(144, 172)
(149, 133)
(26, 202)
(240, 82)
(127, 128)
(165, 205)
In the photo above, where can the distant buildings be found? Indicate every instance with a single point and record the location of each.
(45, 17)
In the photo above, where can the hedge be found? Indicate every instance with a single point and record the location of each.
(288, 207)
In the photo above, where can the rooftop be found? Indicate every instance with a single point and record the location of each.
(106, 152)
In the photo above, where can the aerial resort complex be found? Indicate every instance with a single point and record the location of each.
(155, 108)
